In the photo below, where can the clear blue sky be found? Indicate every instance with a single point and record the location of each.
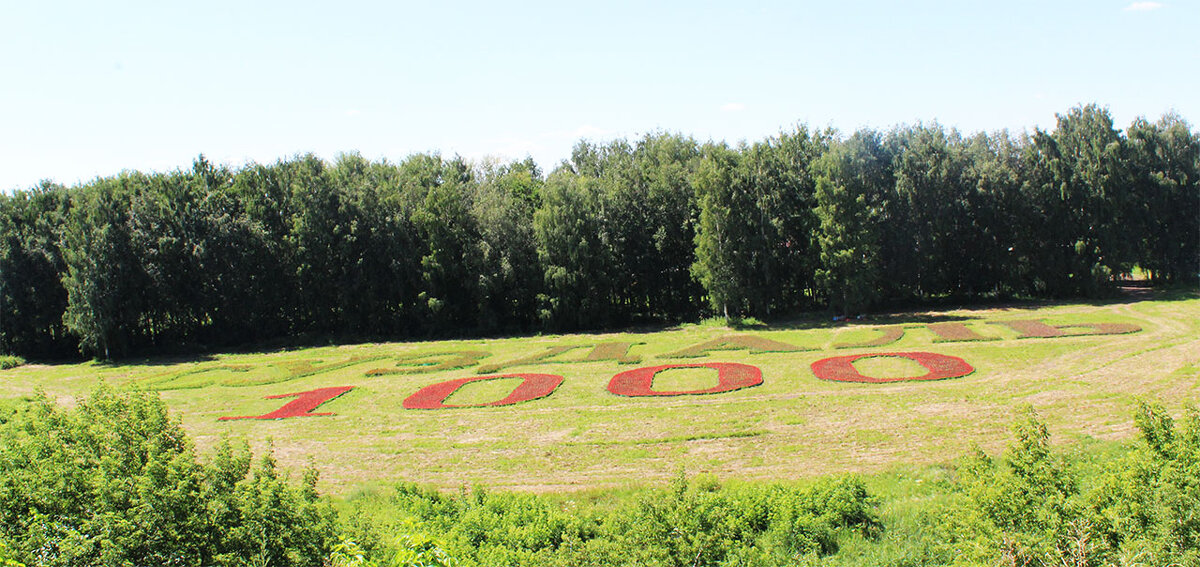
(91, 88)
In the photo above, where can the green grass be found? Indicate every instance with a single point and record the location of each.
(793, 426)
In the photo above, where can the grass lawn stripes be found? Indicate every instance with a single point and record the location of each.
(432, 362)
(756, 345)
(806, 416)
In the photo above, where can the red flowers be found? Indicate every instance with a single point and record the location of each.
(532, 387)
(304, 403)
(730, 376)
(631, 383)
(941, 367)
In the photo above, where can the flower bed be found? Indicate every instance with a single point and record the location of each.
(756, 345)
(889, 335)
(416, 364)
(539, 358)
(955, 332)
(618, 351)
(940, 366)
(533, 386)
(302, 406)
(730, 376)
(1032, 328)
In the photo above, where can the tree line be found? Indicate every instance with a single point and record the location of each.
(659, 229)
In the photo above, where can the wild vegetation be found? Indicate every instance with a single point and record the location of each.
(815, 442)
(115, 481)
(661, 229)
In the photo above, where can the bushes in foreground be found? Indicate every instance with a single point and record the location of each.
(1032, 508)
(115, 481)
(691, 522)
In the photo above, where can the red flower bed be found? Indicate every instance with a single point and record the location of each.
(533, 386)
(302, 406)
(941, 367)
(730, 376)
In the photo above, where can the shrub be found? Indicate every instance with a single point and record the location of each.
(116, 481)
(693, 521)
(1022, 509)
(1029, 509)
(1148, 504)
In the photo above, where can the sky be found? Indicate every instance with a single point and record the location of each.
(91, 88)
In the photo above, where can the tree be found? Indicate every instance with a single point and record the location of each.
(115, 481)
(1000, 255)
(442, 193)
(104, 280)
(780, 170)
(1079, 180)
(754, 249)
(851, 181)
(1162, 215)
(933, 237)
(576, 259)
(722, 239)
(647, 216)
(509, 275)
(32, 297)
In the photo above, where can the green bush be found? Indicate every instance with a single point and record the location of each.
(691, 522)
(1021, 509)
(1147, 505)
(116, 481)
(8, 361)
(1029, 509)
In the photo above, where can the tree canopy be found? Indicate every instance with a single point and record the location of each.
(654, 230)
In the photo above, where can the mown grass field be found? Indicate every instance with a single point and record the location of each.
(793, 425)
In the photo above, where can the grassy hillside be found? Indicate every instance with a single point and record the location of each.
(1083, 384)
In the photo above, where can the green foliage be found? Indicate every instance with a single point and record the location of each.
(9, 361)
(754, 245)
(579, 290)
(115, 481)
(32, 297)
(1030, 508)
(1023, 508)
(1148, 503)
(1165, 189)
(851, 179)
(691, 522)
(655, 230)
(719, 234)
